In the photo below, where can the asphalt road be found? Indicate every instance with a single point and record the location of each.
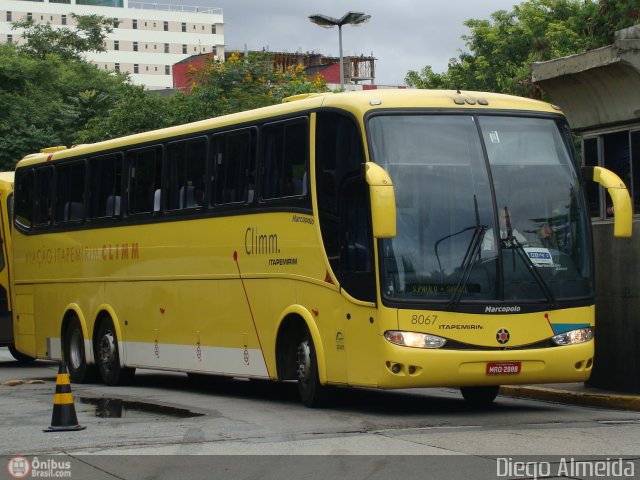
(164, 426)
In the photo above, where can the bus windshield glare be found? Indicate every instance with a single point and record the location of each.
(489, 209)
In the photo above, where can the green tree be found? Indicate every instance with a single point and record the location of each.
(502, 49)
(128, 110)
(216, 88)
(242, 83)
(41, 39)
(44, 101)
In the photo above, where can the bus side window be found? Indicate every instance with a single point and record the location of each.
(70, 192)
(284, 159)
(339, 157)
(186, 167)
(234, 166)
(106, 186)
(43, 197)
(145, 176)
(24, 186)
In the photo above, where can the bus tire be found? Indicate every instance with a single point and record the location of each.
(108, 356)
(75, 356)
(19, 356)
(480, 396)
(312, 393)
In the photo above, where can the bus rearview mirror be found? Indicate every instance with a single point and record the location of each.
(383, 201)
(622, 219)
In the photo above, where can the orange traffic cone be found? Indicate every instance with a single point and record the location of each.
(64, 412)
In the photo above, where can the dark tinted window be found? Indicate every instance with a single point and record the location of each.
(70, 185)
(24, 195)
(106, 186)
(284, 159)
(234, 166)
(145, 179)
(339, 158)
(186, 166)
(44, 195)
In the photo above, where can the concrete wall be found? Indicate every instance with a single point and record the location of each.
(597, 90)
(617, 264)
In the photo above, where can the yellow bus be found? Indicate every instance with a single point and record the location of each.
(6, 318)
(387, 239)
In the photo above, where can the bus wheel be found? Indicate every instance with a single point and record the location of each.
(480, 396)
(19, 356)
(108, 357)
(312, 393)
(74, 355)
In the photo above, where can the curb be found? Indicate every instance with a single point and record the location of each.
(614, 401)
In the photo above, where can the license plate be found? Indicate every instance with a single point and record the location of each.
(503, 368)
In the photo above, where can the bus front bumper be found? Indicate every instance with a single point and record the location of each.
(405, 367)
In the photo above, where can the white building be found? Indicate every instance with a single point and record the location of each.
(150, 37)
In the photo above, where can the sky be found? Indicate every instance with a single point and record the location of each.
(402, 34)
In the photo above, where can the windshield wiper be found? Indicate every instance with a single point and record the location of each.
(472, 251)
(512, 243)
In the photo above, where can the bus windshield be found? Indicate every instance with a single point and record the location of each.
(489, 209)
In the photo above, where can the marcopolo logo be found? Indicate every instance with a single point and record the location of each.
(21, 467)
(502, 309)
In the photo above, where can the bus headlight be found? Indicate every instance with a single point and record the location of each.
(414, 339)
(580, 335)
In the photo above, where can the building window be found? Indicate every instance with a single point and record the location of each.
(117, 67)
(214, 51)
(184, 27)
(166, 48)
(9, 38)
(166, 26)
(135, 46)
(618, 151)
(64, 19)
(136, 68)
(156, 69)
(145, 24)
(116, 44)
(9, 17)
(167, 70)
(29, 16)
(184, 49)
(155, 46)
(134, 24)
(213, 29)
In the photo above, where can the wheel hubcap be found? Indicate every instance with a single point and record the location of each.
(75, 349)
(107, 351)
(304, 361)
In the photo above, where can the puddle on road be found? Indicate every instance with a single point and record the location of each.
(118, 408)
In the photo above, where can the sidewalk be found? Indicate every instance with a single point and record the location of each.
(576, 394)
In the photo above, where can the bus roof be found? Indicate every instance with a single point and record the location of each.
(357, 103)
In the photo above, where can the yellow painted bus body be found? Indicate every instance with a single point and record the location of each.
(210, 294)
(6, 325)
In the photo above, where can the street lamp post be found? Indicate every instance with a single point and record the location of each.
(350, 18)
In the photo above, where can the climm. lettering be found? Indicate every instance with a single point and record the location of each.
(122, 251)
(256, 243)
